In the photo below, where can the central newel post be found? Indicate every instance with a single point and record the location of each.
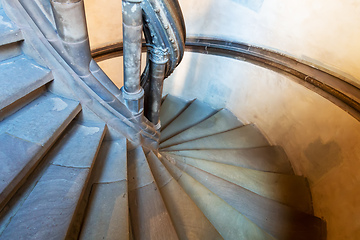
(158, 59)
(132, 33)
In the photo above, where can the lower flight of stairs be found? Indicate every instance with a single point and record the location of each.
(64, 176)
(211, 178)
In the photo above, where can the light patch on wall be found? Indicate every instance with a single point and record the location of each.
(322, 158)
(216, 92)
(254, 5)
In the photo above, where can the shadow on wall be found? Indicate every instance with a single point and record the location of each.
(323, 157)
(209, 77)
(254, 5)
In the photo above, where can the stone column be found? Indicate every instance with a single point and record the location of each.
(132, 33)
(71, 26)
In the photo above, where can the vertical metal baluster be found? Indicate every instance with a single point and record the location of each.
(158, 59)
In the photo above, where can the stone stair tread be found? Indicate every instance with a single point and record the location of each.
(29, 134)
(279, 187)
(111, 163)
(269, 158)
(20, 76)
(279, 220)
(196, 112)
(107, 212)
(221, 121)
(42, 119)
(170, 109)
(228, 222)
(73, 152)
(48, 211)
(16, 155)
(108, 202)
(139, 174)
(247, 136)
(9, 32)
(189, 221)
(149, 216)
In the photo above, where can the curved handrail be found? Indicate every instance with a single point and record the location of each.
(164, 27)
(337, 89)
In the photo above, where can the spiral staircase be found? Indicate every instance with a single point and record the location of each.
(73, 166)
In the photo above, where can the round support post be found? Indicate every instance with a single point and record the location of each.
(132, 33)
(71, 26)
(158, 59)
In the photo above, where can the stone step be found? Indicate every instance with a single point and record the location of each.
(196, 112)
(171, 108)
(222, 121)
(48, 212)
(189, 221)
(149, 216)
(269, 158)
(277, 219)
(275, 186)
(247, 136)
(108, 202)
(27, 135)
(107, 212)
(19, 76)
(228, 221)
(9, 32)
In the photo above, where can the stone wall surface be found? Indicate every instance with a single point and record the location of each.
(321, 140)
(324, 32)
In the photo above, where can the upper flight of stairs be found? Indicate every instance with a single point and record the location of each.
(63, 175)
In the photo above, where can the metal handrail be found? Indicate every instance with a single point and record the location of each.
(341, 91)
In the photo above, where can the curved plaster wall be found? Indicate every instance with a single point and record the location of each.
(324, 32)
(321, 140)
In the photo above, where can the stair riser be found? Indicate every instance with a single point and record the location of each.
(20, 103)
(10, 50)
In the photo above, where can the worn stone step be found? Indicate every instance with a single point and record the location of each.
(38, 121)
(189, 221)
(228, 221)
(277, 219)
(279, 187)
(108, 213)
(19, 76)
(221, 121)
(171, 108)
(247, 136)
(196, 112)
(9, 32)
(269, 158)
(49, 210)
(108, 210)
(27, 136)
(149, 216)
(111, 164)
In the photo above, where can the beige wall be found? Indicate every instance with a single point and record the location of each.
(325, 32)
(321, 140)
(104, 22)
